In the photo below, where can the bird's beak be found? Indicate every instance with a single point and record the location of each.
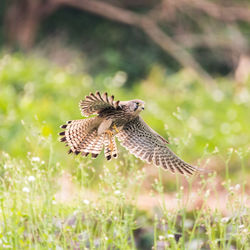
(142, 106)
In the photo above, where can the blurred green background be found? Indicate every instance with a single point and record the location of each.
(38, 96)
(50, 62)
(188, 60)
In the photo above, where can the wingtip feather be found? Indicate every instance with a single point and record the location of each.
(64, 126)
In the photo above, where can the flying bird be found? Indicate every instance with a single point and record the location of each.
(119, 119)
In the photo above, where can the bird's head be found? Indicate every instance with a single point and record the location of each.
(134, 106)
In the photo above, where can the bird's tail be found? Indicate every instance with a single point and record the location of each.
(81, 136)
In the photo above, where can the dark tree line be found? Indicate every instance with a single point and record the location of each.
(177, 27)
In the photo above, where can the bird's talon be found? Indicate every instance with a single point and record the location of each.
(110, 134)
(116, 129)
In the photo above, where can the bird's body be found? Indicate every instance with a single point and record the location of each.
(121, 120)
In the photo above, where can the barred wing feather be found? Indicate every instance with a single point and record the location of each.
(96, 103)
(146, 144)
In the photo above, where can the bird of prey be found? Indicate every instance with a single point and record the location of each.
(119, 119)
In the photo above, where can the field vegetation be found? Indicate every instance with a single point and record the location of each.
(51, 200)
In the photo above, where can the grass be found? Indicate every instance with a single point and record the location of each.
(49, 200)
(43, 206)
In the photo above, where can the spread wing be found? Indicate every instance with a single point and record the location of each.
(96, 103)
(146, 144)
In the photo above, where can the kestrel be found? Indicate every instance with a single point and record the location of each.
(119, 119)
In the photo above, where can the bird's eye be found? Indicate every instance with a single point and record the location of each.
(137, 103)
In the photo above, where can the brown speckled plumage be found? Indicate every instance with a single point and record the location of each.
(121, 120)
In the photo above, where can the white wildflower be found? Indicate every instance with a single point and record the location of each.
(26, 190)
(31, 178)
(7, 246)
(241, 226)
(35, 159)
(216, 150)
(195, 244)
(117, 192)
(237, 187)
(170, 236)
(188, 223)
(207, 193)
(86, 202)
(225, 219)
(161, 237)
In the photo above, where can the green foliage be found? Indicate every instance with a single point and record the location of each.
(42, 206)
(35, 93)
(52, 200)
